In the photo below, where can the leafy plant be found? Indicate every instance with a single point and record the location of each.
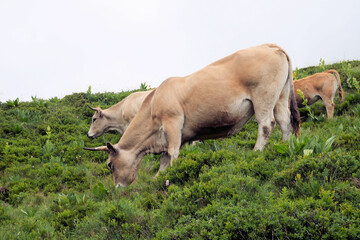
(24, 116)
(313, 117)
(353, 83)
(38, 102)
(100, 191)
(295, 73)
(14, 103)
(356, 110)
(319, 146)
(304, 145)
(17, 127)
(88, 92)
(294, 147)
(54, 100)
(48, 147)
(143, 87)
(322, 65)
(346, 68)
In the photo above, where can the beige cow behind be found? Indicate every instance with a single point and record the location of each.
(118, 116)
(216, 101)
(320, 85)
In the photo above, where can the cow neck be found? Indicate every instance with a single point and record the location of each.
(138, 137)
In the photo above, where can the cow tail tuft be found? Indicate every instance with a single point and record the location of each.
(294, 111)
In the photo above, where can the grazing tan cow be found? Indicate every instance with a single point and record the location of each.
(216, 101)
(320, 85)
(118, 116)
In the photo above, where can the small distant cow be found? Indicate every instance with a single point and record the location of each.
(117, 117)
(320, 85)
(215, 102)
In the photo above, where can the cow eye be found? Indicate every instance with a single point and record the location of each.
(94, 119)
(109, 165)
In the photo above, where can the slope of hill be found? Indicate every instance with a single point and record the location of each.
(305, 188)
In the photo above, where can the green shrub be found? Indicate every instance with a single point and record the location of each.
(100, 191)
(14, 103)
(304, 188)
(69, 210)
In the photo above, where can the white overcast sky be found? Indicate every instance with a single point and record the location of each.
(53, 48)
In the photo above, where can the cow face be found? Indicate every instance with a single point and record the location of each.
(120, 163)
(98, 123)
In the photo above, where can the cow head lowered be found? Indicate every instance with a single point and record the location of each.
(123, 170)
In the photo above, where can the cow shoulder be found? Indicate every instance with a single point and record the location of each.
(166, 100)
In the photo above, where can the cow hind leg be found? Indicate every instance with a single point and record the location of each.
(282, 114)
(330, 107)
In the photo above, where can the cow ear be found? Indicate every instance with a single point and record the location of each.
(100, 112)
(111, 148)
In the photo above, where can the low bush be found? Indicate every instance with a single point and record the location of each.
(304, 188)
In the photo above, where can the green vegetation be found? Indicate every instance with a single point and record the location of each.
(308, 108)
(306, 188)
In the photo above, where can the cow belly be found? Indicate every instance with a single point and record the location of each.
(212, 133)
(221, 124)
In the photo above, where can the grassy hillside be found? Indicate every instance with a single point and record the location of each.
(307, 188)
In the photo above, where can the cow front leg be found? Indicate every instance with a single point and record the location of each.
(282, 116)
(173, 130)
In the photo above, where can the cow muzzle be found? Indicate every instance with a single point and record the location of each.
(90, 136)
(119, 185)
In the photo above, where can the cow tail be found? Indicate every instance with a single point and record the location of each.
(294, 111)
(337, 76)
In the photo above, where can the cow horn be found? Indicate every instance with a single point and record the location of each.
(94, 109)
(102, 148)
